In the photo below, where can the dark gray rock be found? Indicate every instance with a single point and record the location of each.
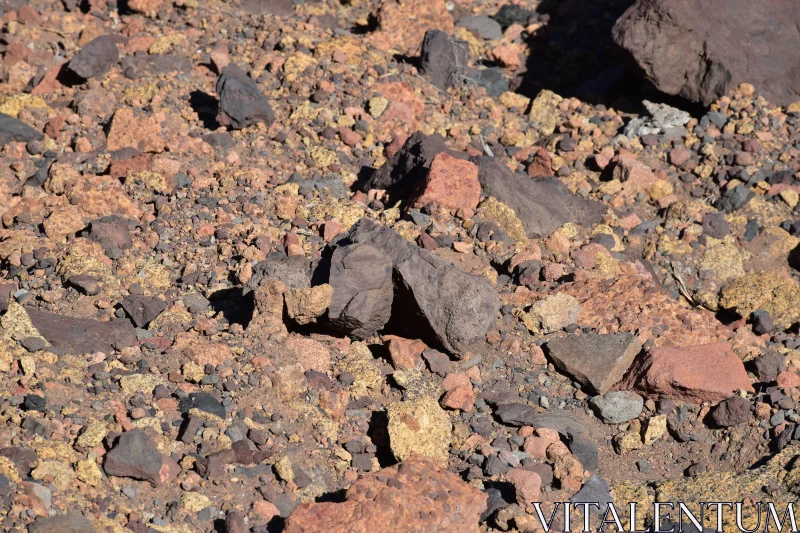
(142, 309)
(595, 490)
(485, 27)
(582, 448)
(700, 49)
(513, 14)
(433, 300)
(277, 8)
(82, 335)
(715, 225)
(543, 205)
(516, 414)
(732, 412)
(438, 362)
(361, 277)
(595, 361)
(617, 407)
(96, 58)
(135, 456)
(202, 401)
(443, 59)
(13, 130)
(409, 166)
(154, 65)
(491, 79)
(769, 365)
(734, 198)
(65, 523)
(762, 322)
(241, 102)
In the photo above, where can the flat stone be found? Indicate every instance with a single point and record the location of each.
(142, 309)
(486, 27)
(82, 335)
(444, 59)
(419, 426)
(596, 361)
(516, 414)
(65, 523)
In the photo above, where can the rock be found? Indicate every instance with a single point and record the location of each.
(85, 283)
(710, 372)
(130, 130)
(65, 523)
(715, 225)
(96, 58)
(145, 7)
(111, 232)
(305, 305)
(135, 455)
(451, 183)
(277, 8)
(361, 277)
(656, 428)
(402, 24)
(701, 50)
(437, 301)
(491, 79)
(444, 59)
(401, 174)
(763, 291)
(596, 361)
(485, 27)
(510, 14)
(293, 271)
(82, 335)
(762, 322)
(527, 485)
(732, 412)
(241, 102)
(14, 130)
(768, 366)
(417, 494)
(404, 354)
(235, 523)
(595, 490)
(584, 449)
(662, 118)
(543, 204)
(516, 414)
(735, 198)
(419, 426)
(617, 407)
(554, 312)
(142, 309)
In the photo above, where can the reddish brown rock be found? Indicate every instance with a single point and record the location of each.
(402, 23)
(145, 7)
(710, 372)
(405, 354)
(405, 110)
(127, 129)
(541, 164)
(398, 498)
(527, 485)
(451, 183)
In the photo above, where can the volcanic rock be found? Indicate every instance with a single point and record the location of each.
(241, 102)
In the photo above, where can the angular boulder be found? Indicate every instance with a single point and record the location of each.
(82, 335)
(700, 49)
(443, 59)
(361, 277)
(710, 372)
(433, 300)
(95, 59)
(595, 361)
(415, 495)
(14, 130)
(135, 456)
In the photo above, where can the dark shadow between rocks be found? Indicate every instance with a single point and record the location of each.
(276, 525)
(727, 317)
(337, 496)
(378, 432)
(234, 305)
(206, 107)
(68, 78)
(574, 55)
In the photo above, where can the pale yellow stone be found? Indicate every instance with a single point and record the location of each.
(194, 502)
(656, 427)
(92, 435)
(88, 472)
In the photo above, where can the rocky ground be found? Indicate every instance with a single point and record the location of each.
(351, 266)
